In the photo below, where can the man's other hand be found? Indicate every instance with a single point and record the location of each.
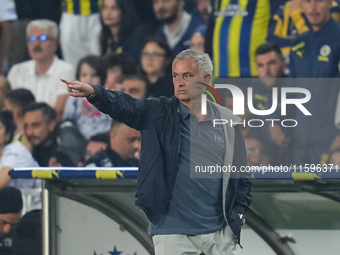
(78, 89)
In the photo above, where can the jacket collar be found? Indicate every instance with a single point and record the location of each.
(185, 112)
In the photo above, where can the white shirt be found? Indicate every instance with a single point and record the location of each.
(45, 88)
(16, 155)
(7, 10)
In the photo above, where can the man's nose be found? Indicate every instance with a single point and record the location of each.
(179, 81)
(35, 43)
(136, 145)
(158, 6)
(267, 70)
(6, 228)
(28, 131)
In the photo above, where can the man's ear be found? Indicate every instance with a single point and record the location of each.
(17, 113)
(207, 78)
(112, 136)
(51, 125)
(56, 46)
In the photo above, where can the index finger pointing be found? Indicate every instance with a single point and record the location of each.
(68, 82)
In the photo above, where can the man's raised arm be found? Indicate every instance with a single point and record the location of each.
(120, 106)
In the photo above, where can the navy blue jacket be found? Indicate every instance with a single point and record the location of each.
(316, 54)
(158, 119)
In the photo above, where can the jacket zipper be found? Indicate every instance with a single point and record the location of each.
(238, 241)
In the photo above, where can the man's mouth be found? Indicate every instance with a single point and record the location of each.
(32, 140)
(314, 15)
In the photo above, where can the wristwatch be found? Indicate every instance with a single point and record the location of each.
(94, 93)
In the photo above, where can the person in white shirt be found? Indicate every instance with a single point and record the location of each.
(13, 155)
(41, 74)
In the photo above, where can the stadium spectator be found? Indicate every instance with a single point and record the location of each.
(15, 102)
(135, 86)
(256, 154)
(204, 8)
(124, 145)
(178, 25)
(120, 31)
(13, 154)
(11, 205)
(117, 67)
(234, 33)
(39, 124)
(85, 116)
(290, 22)
(78, 18)
(64, 142)
(5, 88)
(316, 54)
(7, 15)
(197, 40)
(97, 143)
(270, 65)
(28, 10)
(41, 74)
(156, 67)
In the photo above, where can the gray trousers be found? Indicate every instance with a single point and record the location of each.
(222, 242)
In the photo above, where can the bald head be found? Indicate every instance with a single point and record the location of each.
(125, 141)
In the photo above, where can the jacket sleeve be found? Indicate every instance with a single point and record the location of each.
(275, 33)
(121, 107)
(243, 196)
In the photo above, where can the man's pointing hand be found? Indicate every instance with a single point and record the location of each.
(78, 89)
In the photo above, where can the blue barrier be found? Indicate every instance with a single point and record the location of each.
(75, 173)
(264, 172)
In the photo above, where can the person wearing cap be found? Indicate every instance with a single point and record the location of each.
(10, 213)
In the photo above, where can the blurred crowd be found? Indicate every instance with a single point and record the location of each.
(129, 45)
